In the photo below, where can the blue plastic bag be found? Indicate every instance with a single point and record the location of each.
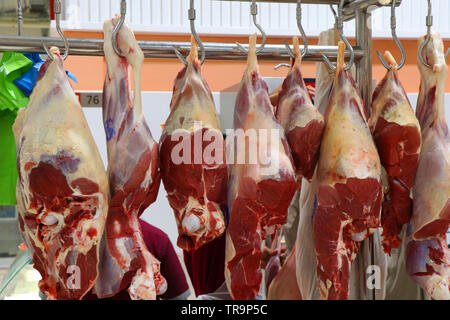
(28, 80)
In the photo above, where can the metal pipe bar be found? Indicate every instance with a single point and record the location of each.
(158, 49)
(352, 7)
(363, 34)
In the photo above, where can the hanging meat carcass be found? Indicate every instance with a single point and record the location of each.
(262, 181)
(193, 159)
(305, 255)
(301, 121)
(396, 133)
(427, 253)
(62, 190)
(134, 179)
(350, 187)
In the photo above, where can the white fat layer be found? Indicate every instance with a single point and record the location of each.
(347, 148)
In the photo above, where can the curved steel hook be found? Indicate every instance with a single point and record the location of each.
(192, 17)
(300, 28)
(289, 50)
(254, 13)
(396, 39)
(278, 66)
(123, 12)
(302, 32)
(339, 24)
(429, 24)
(57, 10)
(180, 56)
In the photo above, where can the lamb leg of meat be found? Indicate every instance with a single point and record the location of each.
(301, 121)
(196, 181)
(133, 174)
(396, 132)
(350, 188)
(305, 255)
(262, 181)
(427, 253)
(62, 190)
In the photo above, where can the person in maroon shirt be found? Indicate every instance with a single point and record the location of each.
(206, 266)
(158, 243)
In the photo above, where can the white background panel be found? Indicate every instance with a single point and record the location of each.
(223, 17)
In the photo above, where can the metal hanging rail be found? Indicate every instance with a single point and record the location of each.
(162, 49)
(214, 51)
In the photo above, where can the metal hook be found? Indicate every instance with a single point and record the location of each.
(339, 24)
(192, 17)
(278, 66)
(300, 28)
(429, 24)
(302, 32)
(19, 18)
(180, 56)
(289, 50)
(334, 14)
(123, 12)
(254, 13)
(57, 10)
(447, 54)
(396, 39)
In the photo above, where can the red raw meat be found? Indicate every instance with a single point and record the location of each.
(62, 190)
(196, 184)
(262, 181)
(427, 253)
(396, 132)
(133, 174)
(284, 286)
(301, 121)
(350, 187)
(305, 254)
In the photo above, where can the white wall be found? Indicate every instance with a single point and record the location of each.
(232, 18)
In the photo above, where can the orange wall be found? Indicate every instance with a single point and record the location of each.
(158, 74)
